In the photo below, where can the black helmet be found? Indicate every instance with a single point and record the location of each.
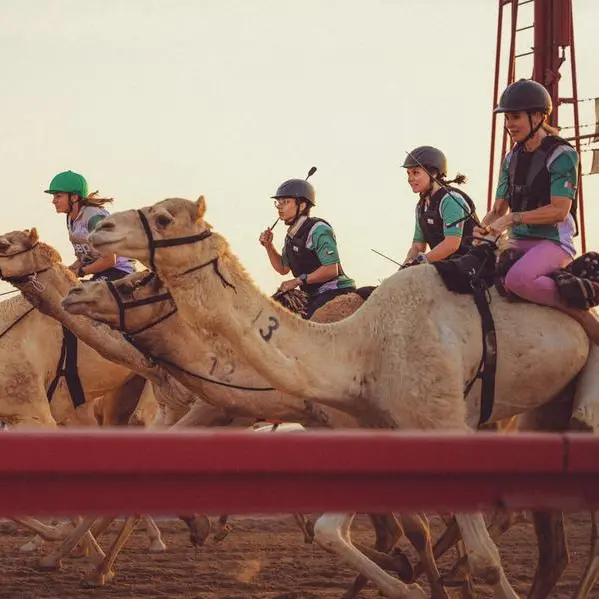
(525, 95)
(428, 157)
(298, 189)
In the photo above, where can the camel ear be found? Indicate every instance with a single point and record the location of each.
(33, 236)
(201, 208)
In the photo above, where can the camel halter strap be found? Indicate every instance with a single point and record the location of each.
(11, 279)
(156, 243)
(161, 243)
(129, 335)
(124, 306)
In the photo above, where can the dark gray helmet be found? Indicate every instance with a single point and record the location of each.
(430, 158)
(525, 95)
(298, 189)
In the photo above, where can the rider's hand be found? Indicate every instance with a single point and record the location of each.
(266, 238)
(288, 285)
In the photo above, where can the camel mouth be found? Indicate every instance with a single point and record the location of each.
(74, 304)
(102, 238)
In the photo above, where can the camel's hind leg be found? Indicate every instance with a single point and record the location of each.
(388, 531)
(418, 531)
(331, 532)
(591, 572)
(549, 526)
(483, 556)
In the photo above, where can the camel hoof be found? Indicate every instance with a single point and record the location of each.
(96, 579)
(29, 547)
(402, 565)
(415, 591)
(157, 546)
(48, 564)
(221, 534)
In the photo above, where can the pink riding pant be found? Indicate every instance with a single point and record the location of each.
(527, 278)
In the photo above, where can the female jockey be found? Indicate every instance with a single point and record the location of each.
(536, 197)
(84, 212)
(443, 220)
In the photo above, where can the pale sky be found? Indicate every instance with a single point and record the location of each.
(227, 98)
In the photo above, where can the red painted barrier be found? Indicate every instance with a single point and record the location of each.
(129, 471)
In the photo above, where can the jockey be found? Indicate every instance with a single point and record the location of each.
(310, 251)
(84, 212)
(443, 213)
(536, 198)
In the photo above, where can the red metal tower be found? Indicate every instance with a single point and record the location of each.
(553, 35)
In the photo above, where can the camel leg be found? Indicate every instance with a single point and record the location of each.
(418, 532)
(553, 552)
(549, 526)
(156, 543)
(45, 531)
(331, 532)
(199, 528)
(388, 531)
(222, 529)
(591, 572)
(33, 545)
(103, 572)
(483, 556)
(53, 561)
(302, 523)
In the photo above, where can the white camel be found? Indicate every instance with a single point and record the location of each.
(401, 361)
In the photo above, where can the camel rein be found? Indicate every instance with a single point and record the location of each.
(130, 335)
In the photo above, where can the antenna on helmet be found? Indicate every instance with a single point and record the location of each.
(310, 173)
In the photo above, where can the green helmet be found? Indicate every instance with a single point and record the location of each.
(69, 182)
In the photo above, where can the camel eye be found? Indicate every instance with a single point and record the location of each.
(164, 220)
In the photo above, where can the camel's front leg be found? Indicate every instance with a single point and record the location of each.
(331, 532)
(483, 556)
(302, 523)
(221, 529)
(591, 572)
(45, 531)
(103, 572)
(52, 561)
(156, 543)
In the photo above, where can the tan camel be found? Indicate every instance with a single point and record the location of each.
(431, 340)
(43, 280)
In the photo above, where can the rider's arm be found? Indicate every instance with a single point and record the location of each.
(500, 205)
(277, 261)
(418, 243)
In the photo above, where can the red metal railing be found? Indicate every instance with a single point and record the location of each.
(124, 472)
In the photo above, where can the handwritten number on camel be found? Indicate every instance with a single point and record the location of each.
(272, 327)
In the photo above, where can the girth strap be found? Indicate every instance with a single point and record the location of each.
(488, 365)
(67, 367)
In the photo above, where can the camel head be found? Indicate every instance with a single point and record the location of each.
(22, 254)
(171, 235)
(141, 299)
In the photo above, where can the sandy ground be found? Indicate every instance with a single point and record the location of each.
(260, 559)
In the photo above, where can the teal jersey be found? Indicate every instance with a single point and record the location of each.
(453, 208)
(321, 239)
